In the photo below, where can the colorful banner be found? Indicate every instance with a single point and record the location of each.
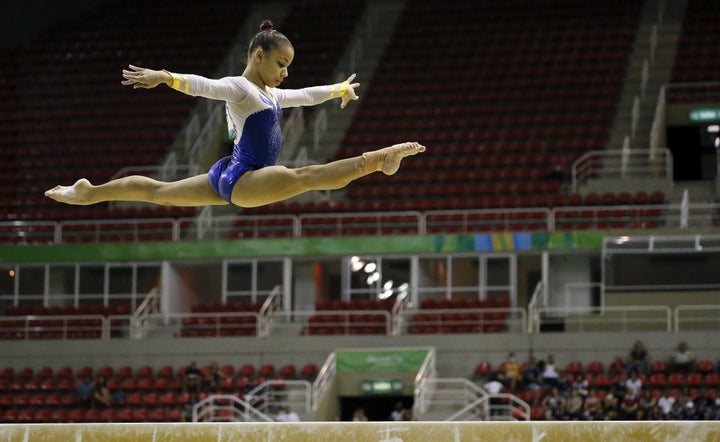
(256, 248)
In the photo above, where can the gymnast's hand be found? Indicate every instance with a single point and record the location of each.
(138, 77)
(350, 92)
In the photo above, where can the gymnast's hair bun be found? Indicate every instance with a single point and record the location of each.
(266, 25)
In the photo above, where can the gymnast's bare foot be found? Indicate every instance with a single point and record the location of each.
(388, 159)
(76, 194)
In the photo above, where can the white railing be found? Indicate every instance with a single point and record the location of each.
(292, 131)
(168, 171)
(337, 322)
(496, 407)
(320, 125)
(537, 300)
(627, 217)
(202, 324)
(657, 130)
(324, 380)
(425, 374)
(461, 320)
(697, 317)
(450, 394)
(265, 317)
(626, 318)
(226, 408)
(580, 319)
(621, 163)
(55, 327)
(149, 306)
(273, 395)
(634, 117)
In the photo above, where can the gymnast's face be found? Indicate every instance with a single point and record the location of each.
(272, 66)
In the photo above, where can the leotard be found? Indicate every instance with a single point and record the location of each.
(256, 115)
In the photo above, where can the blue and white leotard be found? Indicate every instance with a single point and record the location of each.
(256, 117)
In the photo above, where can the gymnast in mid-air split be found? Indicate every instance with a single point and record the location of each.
(250, 176)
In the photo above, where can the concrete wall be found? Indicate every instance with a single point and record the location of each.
(457, 354)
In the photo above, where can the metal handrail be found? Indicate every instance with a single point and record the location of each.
(324, 379)
(207, 409)
(709, 314)
(582, 316)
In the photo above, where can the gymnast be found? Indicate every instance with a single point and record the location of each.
(250, 176)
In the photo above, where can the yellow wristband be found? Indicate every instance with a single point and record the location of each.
(338, 90)
(175, 80)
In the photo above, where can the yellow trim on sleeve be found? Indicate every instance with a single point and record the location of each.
(339, 89)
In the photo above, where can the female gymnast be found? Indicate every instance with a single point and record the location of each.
(249, 177)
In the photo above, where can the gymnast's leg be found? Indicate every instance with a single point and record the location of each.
(190, 192)
(278, 183)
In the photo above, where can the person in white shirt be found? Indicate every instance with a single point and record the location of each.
(666, 403)
(634, 384)
(287, 415)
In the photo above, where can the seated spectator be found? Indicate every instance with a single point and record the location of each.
(574, 405)
(287, 415)
(212, 377)
(192, 378)
(638, 359)
(85, 389)
(593, 408)
(397, 412)
(554, 405)
(101, 393)
(610, 406)
(682, 359)
(550, 375)
(511, 375)
(634, 384)
(666, 403)
(531, 379)
(647, 405)
(619, 388)
(628, 407)
(187, 413)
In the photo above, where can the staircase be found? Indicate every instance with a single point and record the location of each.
(650, 64)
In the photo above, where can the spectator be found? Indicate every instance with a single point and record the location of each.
(646, 405)
(494, 387)
(101, 393)
(580, 383)
(212, 377)
(187, 414)
(359, 415)
(287, 415)
(682, 359)
(531, 379)
(554, 405)
(619, 387)
(407, 415)
(511, 375)
(85, 389)
(550, 375)
(610, 406)
(634, 384)
(593, 408)
(638, 359)
(629, 407)
(666, 403)
(192, 378)
(397, 412)
(574, 405)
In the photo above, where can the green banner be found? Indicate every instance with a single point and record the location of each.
(374, 361)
